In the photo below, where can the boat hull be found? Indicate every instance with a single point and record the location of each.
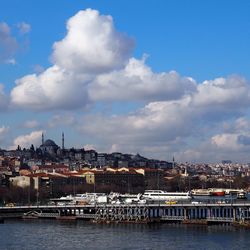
(218, 193)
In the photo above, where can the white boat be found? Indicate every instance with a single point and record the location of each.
(159, 195)
(80, 199)
(117, 198)
(134, 199)
(201, 192)
(91, 198)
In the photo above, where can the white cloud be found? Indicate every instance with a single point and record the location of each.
(24, 28)
(156, 125)
(91, 63)
(232, 143)
(25, 141)
(92, 45)
(168, 120)
(138, 82)
(8, 44)
(53, 89)
(228, 95)
(179, 122)
(226, 141)
(89, 147)
(235, 137)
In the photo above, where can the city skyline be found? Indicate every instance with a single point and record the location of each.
(160, 79)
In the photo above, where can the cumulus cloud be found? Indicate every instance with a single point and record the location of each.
(8, 44)
(224, 94)
(138, 82)
(231, 142)
(92, 45)
(177, 122)
(242, 124)
(92, 63)
(25, 141)
(182, 116)
(235, 137)
(55, 88)
(226, 141)
(24, 28)
(156, 125)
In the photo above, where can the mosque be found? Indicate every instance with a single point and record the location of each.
(50, 147)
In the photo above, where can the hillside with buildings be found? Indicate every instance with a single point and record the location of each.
(38, 174)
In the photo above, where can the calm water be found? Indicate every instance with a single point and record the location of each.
(46, 234)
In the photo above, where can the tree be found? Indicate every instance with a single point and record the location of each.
(32, 148)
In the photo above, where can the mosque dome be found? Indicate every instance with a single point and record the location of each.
(49, 143)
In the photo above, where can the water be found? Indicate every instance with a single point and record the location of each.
(49, 234)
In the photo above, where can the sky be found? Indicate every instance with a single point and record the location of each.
(160, 78)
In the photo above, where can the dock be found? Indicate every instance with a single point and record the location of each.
(186, 213)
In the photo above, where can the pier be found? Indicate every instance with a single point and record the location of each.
(187, 213)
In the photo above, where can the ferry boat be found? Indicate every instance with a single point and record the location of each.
(208, 192)
(239, 193)
(160, 195)
(217, 192)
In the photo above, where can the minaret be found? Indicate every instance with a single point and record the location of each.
(42, 138)
(173, 163)
(62, 141)
(186, 172)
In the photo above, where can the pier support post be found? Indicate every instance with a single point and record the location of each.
(234, 213)
(185, 213)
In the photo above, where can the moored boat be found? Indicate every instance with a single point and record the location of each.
(200, 192)
(159, 195)
(217, 192)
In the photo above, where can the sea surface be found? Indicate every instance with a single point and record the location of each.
(50, 234)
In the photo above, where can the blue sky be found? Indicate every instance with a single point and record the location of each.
(176, 82)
